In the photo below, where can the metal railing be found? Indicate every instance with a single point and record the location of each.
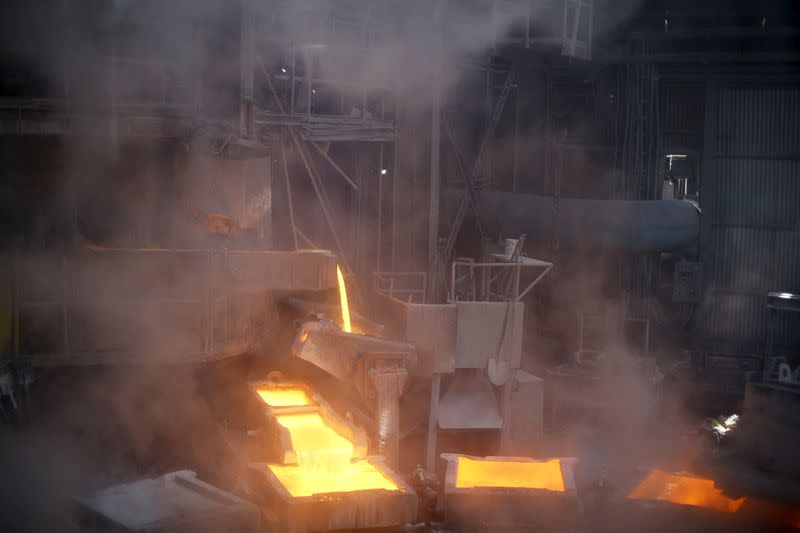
(406, 286)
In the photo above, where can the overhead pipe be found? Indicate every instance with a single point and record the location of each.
(634, 226)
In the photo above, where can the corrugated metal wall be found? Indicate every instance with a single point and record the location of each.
(751, 206)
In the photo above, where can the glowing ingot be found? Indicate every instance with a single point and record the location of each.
(509, 493)
(472, 472)
(361, 475)
(685, 490)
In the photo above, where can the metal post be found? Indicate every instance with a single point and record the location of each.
(395, 167)
(433, 423)
(288, 184)
(292, 79)
(515, 171)
(380, 211)
(64, 312)
(389, 380)
(308, 77)
(435, 192)
(246, 72)
(113, 127)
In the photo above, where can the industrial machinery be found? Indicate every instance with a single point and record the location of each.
(180, 305)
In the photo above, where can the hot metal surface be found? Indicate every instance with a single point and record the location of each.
(276, 397)
(351, 477)
(311, 435)
(510, 493)
(546, 475)
(685, 490)
(382, 499)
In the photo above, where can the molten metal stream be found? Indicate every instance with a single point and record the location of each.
(546, 475)
(324, 460)
(346, 327)
(686, 490)
(284, 397)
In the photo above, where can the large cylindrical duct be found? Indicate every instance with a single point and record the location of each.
(636, 226)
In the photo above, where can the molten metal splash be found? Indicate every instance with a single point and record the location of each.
(514, 474)
(324, 460)
(686, 490)
(275, 397)
(346, 327)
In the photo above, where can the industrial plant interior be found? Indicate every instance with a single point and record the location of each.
(399, 266)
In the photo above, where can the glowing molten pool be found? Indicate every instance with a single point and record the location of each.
(284, 397)
(361, 475)
(512, 474)
(324, 460)
(313, 438)
(346, 327)
(686, 490)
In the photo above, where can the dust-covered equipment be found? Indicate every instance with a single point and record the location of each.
(174, 502)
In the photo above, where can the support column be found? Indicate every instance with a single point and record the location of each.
(433, 424)
(436, 186)
(389, 381)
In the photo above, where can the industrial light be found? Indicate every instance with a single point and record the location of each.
(672, 157)
(283, 69)
(383, 171)
(783, 300)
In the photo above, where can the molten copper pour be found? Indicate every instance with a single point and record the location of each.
(346, 326)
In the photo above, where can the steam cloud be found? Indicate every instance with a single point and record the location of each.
(67, 48)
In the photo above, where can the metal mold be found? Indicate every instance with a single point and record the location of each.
(174, 502)
(334, 510)
(519, 493)
(292, 428)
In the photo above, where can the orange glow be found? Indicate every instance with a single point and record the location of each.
(284, 397)
(686, 490)
(514, 474)
(324, 460)
(346, 327)
(312, 435)
(361, 475)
